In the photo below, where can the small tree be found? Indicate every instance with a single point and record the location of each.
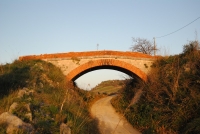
(191, 47)
(142, 45)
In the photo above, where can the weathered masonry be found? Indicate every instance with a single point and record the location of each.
(75, 64)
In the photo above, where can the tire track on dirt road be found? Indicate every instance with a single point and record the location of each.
(108, 119)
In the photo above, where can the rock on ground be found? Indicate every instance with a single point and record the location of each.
(65, 129)
(15, 124)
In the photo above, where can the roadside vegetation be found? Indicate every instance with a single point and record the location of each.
(52, 101)
(168, 103)
(170, 99)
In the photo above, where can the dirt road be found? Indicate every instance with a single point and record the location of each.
(108, 118)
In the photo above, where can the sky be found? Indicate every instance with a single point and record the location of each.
(32, 27)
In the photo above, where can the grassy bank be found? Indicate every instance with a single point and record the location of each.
(52, 101)
(109, 87)
(170, 100)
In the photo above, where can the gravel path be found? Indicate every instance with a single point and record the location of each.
(108, 119)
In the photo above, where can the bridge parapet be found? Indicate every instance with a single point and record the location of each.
(86, 54)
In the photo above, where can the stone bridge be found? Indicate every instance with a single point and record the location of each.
(75, 64)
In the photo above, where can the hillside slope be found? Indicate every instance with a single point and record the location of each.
(46, 98)
(109, 86)
(170, 100)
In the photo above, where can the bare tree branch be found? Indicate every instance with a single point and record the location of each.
(142, 45)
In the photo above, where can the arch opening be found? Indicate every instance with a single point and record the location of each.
(93, 78)
(106, 64)
(116, 68)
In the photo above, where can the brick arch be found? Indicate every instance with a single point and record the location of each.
(106, 62)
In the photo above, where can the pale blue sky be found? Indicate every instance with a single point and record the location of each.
(30, 27)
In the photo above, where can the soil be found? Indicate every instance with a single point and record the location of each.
(109, 121)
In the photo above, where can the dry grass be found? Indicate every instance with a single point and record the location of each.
(53, 101)
(170, 102)
(6, 101)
